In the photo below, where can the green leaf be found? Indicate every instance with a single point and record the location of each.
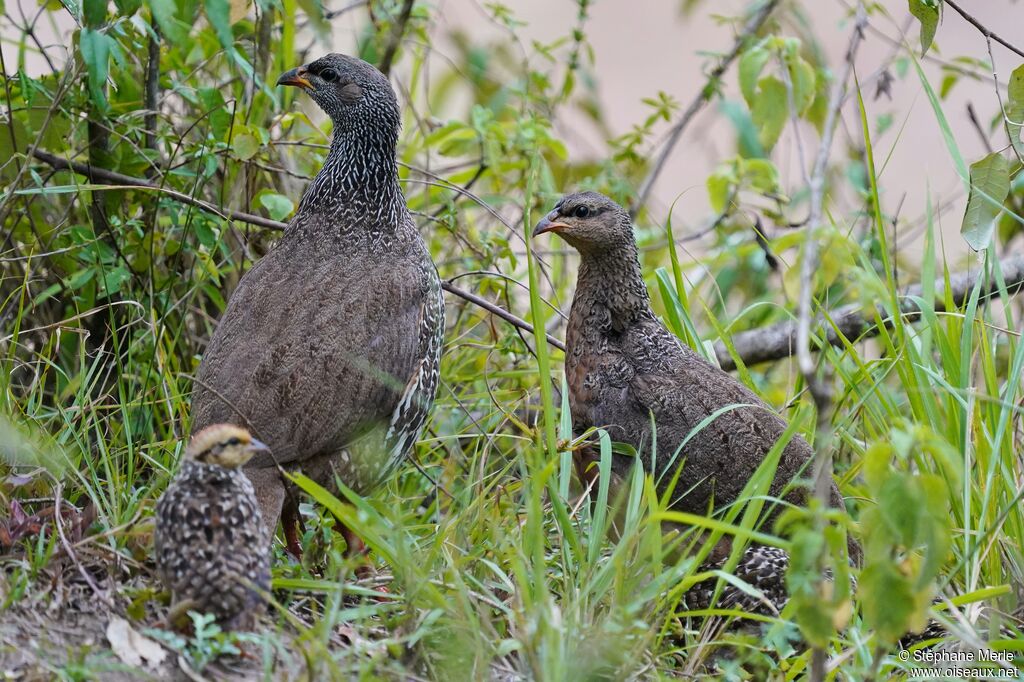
(94, 12)
(95, 48)
(245, 146)
(751, 65)
(760, 174)
(719, 188)
(804, 81)
(219, 14)
(1015, 110)
(927, 12)
(278, 206)
(990, 183)
(165, 14)
(770, 110)
(887, 599)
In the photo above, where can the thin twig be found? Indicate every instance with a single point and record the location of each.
(973, 117)
(809, 262)
(849, 324)
(152, 86)
(821, 388)
(702, 98)
(105, 177)
(984, 31)
(765, 344)
(397, 31)
(58, 509)
(499, 311)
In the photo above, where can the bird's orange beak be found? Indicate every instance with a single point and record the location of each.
(549, 224)
(296, 77)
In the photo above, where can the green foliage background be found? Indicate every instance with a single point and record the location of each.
(108, 295)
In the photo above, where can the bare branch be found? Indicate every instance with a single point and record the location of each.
(397, 31)
(105, 177)
(766, 344)
(849, 324)
(702, 98)
(984, 31)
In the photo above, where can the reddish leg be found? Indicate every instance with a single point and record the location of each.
(585, 461)
(355, 547)
(292, 523)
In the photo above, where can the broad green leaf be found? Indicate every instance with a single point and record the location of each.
(926, 12)
(887, 600)
(804, 80)
(245, 146)
(990, 183)
(770, 110)
(719, 187)
(165, 14)
(94, 12)
(219, 14)
(95, 48)
(278, 206)
(751, 64)
(127, 8)
(1015, 110)
(760, 174)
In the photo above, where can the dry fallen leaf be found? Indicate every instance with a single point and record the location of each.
(132, 648)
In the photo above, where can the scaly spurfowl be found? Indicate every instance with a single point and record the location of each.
(329, 348)
(210, 539)
(629, 375)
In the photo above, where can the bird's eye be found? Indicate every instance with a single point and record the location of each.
(233, 441)
(329, 75)
(581, 212)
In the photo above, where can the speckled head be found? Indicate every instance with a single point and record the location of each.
(591, 223)
(224, 445)
(353, 93)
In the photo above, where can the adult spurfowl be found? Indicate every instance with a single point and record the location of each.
(209, 537)
(330, 346)
(629, 375)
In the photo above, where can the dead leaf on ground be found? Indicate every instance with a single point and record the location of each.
(132, 648)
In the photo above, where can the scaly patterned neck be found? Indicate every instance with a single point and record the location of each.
(357, 190)
(612, 280)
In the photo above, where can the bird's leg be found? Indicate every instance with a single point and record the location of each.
(585, 462)
(177, 617)
(291, 521)
(355, 547)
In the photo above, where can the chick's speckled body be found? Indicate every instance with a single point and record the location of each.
(211, 551)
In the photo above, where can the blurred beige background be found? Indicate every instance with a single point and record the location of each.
(646, 46)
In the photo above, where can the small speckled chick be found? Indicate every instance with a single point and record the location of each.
(211, 549)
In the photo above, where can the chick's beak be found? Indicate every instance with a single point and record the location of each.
(549, 223)
(258, 446)
(296, 77)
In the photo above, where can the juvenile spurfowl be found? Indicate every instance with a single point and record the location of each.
(330, 346)
(210, 549)
(629, 375)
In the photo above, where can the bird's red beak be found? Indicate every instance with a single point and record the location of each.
(549, 224)
(296, 77)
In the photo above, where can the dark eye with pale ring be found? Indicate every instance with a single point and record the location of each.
(329, 75)
(233, 441)
(581, 212)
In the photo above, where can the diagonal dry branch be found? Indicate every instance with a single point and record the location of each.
(703, 97)
(765, 344)
(778, 341)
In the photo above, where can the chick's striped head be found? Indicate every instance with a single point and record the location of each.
(224, 445)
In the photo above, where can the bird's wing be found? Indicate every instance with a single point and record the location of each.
(726, 428)
(312, 359)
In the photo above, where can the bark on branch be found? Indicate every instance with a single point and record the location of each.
(778, 341)
(765, 344)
